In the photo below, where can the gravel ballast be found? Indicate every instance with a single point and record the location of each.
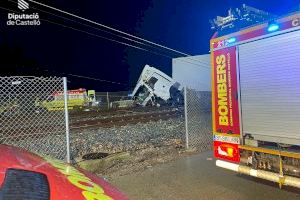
(127, 138)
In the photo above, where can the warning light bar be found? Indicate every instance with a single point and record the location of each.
(231, 40)
(273, 27)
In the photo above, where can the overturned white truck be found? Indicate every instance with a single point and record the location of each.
(155, 88)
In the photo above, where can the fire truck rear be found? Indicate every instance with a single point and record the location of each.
(256, 100)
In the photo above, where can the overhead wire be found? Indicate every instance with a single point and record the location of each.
(107, 27)
(92, 78)
(96, 79)
(116, 30)
(189, 58)
(81, 76)
(74, 75)
(85, 77)
(96, 35)
(109, 39)
(68, 19)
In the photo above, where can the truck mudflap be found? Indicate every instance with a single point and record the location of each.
(266, 175)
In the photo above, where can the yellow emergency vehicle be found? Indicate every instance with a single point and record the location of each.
(76, 99)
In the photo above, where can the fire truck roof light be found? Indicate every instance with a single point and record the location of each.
(273, 27)
(231, 40)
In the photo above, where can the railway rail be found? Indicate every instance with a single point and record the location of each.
(126, 119)
(101, 114)
(87, 120)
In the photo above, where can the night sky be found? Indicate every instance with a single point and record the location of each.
(54, 50)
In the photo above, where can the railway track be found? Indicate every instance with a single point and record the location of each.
(125, 119)
(24, 129)
(87, 115)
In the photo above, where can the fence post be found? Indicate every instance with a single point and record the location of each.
(67, 119)
(107, 99)
(186, 118)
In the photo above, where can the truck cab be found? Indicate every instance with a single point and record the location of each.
(155, 86)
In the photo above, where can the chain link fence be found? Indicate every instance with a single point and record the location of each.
(32, 114)
(198, 119)
(112, 100)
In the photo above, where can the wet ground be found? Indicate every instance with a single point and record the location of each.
(196, 178)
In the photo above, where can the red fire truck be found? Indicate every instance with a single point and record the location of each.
(256, 100)
(24, 175)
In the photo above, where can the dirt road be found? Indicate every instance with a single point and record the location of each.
(197, 178)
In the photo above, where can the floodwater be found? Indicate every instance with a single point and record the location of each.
(196, 178)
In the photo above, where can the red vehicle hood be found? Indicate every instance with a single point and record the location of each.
(65, 181)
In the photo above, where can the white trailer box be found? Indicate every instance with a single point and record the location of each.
(193, 72)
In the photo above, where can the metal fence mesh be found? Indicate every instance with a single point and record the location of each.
(110, 100)
(198, 119)
(24, 118)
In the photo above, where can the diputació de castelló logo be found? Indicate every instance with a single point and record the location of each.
(23, 19)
